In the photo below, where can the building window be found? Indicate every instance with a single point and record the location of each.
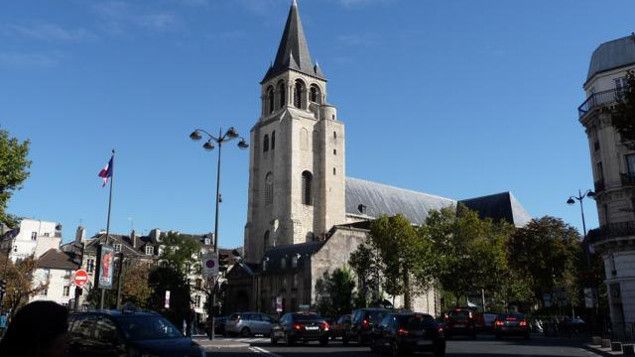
(314, 95)
(334, 171)
(15, 248)
(197, 301)
(298, 92)
(273, 140)
(630, 164)
(600, 171)
(307, 182)
(267, 242)
(283, 263)
(596, 145)
(334, 151)
(282, 94)
(268, 189)
(90, 265)
(67, 291)
(335, 135)
(45, 292)
(149, 250)
(270, 100)
(294, 262)
(33, 235)
(620, 84)
(265, 143)
(117, 247)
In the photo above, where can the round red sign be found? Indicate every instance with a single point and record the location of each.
(81, 277)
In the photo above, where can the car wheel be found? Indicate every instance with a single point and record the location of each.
(324, 341)
(289, 340)
(245, 332)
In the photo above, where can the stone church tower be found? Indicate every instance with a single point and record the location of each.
(296, 165)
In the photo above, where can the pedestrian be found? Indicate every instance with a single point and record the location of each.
(37, 330)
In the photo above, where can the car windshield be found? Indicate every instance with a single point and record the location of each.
(144, 327)
(310, 317)
(376, 315)
(416, 322)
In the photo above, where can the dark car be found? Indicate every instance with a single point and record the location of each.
(127, 333)
(511, 325)
(406, 333)
(460, 321)
(362, 322)
(341, 325)
(300, 326)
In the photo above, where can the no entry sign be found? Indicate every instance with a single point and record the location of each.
(81, 278)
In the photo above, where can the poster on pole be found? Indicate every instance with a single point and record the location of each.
(105, 267)
(210, 265)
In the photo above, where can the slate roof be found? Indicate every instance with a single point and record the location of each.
(273, 257)
(612, 54)
(380, 199)
(55, 259)
(293, 51)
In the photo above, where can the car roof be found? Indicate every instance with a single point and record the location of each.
(116, 313)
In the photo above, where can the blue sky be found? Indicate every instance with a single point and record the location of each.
(456, 98)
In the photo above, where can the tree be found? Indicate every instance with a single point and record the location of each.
(405, 255)
(546, 252)
(366, 263)
(19, 282)
(14, 167)
(180, 251)
(136, 288)
(623, 118)
(163, 278)
(335, 292)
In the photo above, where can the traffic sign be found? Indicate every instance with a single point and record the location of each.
(80, 278)
(210, 264)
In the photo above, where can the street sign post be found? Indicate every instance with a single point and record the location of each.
(210, 265)
(80, 278)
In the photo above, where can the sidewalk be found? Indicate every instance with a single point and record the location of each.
(218, 343)
(601, 351)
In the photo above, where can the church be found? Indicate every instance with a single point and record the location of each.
(305, 217)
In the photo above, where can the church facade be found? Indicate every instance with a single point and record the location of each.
(305, 217)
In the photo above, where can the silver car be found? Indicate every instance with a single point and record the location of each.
(247, 324)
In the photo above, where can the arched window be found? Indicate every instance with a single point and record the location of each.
(307, 183)
(273, 140)
(270, 100)
(267, 243)
(298, 91)
(268, 189)
(265, 143)
(314, 94)
(282, 94)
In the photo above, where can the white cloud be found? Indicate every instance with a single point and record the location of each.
(47, 32)
(118, 17)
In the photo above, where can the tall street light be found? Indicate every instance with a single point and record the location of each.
(219, 140)
(587, 249)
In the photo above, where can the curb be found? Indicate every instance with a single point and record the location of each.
(601, 351)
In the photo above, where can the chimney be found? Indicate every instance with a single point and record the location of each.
(155, 235)
(134, 239)
(80, 235)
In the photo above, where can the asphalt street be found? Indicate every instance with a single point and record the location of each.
(483, 346)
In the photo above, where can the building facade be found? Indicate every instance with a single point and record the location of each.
(31, 238)
(613, 166)
(55, 271)
(305, 217)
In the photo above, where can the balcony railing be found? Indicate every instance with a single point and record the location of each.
(599, 99)
(599, 186)
(612, 230)
(628, 179)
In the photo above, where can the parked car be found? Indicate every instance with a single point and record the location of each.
(247, 324)
(127, 333)
(513, 324)
(341, 325)
(489, 318)
(362, 322)
(219, 325)
(300, 326)
(406, 333)
(460, 321)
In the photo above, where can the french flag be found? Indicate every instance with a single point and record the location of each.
(106, 172)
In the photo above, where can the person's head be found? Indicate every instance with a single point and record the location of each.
(37, 330)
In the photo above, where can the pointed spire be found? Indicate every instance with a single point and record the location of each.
(293, 52)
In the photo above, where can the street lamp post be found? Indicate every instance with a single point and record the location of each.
(219, 140)
(571, 201)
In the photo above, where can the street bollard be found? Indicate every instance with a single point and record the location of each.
(606, 343)
(628, 350)
(616, 346)
(596, 340)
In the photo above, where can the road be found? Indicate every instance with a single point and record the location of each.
(483, 346)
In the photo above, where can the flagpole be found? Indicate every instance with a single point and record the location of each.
(112, 178)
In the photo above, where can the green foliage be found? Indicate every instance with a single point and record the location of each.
(14, 166)
(180, 251)
(547, 252)
(366, 263)
(19, 278)
(335, 292)
(136, 288)
(623, 118)
(162, 278)
(406, 256)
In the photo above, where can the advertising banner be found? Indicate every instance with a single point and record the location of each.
(105, 267)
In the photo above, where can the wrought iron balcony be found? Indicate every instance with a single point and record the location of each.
(599, 99)
(611, 231)
(628, 179)
(599, 186)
